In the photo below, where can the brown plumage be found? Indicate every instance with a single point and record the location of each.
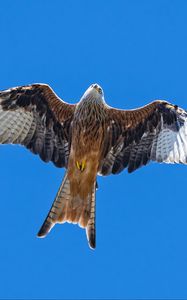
(89, 138)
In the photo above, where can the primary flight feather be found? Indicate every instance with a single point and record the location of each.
(89, 138)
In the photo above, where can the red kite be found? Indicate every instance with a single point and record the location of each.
(89, 138)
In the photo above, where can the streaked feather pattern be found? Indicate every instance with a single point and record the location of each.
(35, 117)
(156, 132)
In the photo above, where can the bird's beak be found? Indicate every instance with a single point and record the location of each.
(97, 88)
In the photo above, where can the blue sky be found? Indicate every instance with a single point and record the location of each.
(137, 51)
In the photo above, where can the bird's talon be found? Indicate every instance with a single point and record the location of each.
(81, 166)
(77, 164)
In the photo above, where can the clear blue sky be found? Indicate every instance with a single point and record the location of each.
(137, 51)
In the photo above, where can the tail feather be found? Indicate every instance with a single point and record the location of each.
(58, 211)
(90, 229)
(66, 208)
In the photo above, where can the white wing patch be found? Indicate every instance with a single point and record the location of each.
(15, 126)
(170, 146)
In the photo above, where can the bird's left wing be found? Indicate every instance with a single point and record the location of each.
(157, 132)
(36, 118)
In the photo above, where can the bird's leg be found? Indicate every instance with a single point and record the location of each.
(81, 165)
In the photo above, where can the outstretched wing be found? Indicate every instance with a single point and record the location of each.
(35, 117)
(156, 132)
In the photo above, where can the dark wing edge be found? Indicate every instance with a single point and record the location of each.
(155, 132)
(34, 116)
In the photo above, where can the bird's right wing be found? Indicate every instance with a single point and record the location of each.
(157, 132)
(35, 117)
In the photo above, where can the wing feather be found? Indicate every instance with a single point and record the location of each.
(35, 117)
(156, 132)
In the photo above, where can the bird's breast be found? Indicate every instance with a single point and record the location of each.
(88, 128)
(87, 136)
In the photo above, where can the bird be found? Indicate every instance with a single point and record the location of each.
(89, 138)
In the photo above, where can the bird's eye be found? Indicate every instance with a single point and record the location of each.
(100, 90)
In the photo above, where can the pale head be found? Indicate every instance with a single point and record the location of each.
(94, 92)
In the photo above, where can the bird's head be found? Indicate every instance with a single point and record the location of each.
(94, 92)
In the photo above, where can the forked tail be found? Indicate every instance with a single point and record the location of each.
(70, 209)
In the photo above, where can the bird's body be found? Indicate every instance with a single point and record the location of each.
(89, 127)
(89, 138)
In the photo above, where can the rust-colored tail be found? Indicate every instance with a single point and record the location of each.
(70, 209)
(90, 228)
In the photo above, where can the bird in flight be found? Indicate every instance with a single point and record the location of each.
(89, 138)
